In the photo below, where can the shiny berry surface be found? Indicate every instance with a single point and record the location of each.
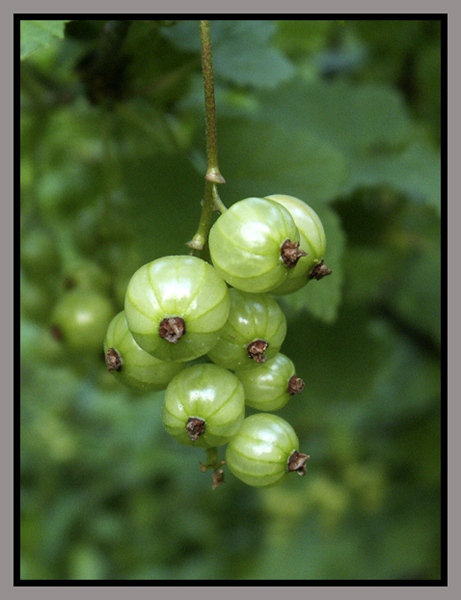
(204, 406)
(253, 333)
(176, 306)
(312, 241)
(269, 386)
(259, 455)
(131, 365)
(80, 320)
(246, 244)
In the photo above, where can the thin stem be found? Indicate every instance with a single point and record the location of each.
(212, 173)
(211, 200)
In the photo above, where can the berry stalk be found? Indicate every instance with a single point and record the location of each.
(211, 200)
(212, 173)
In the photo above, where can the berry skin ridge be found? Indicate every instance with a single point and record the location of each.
(204, 406)
(312, 240)
(253, 333)
(264, 451)
(247, 245)
(131, 365)
(176, 306)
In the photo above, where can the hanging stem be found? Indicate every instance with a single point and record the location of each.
(211, 200)
(213, 173)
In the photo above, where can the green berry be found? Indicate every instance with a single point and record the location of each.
(312, 241)
(204, 406)
(255, 244)
(264, 451)
(254, 332)
(269, 386)
(88, 275)
(131, 365)
(80, 320)
(176, 306)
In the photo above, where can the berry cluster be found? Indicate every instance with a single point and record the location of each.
(210, 335)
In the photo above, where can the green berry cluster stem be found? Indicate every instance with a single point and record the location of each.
(212, 173)
(212, 462)
(211, 200)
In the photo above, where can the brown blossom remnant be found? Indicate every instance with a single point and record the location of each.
(320, 271)
(295, 385)
(172, 329)
(291, 253)
(212, 462)
(195, 428)
(218, 478)
(113, 360)
(297, 462)
(257, 349)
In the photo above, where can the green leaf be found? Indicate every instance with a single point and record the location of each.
(369, 273)
(392, 384)
(245, 57)
(38, 34)
(298, 36)
(263, 67)
(415, 172)
(242, 51)
(259, 160)
(428, 79)
(323, 298)
(370, 125)
(418, 299)
(361, 118)
(154, 198)
(185, 35)
(416, 294)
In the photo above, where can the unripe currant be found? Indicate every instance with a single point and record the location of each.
(312, 240)
(176, 306)
(80, 320)
(204, 406)
(269, 386)
(264, 451)
(254, 332)
(255, 244)
(86, 274)
(131, 365)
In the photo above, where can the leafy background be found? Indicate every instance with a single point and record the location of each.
(343, 114)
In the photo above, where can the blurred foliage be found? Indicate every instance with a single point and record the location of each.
(345, 115)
